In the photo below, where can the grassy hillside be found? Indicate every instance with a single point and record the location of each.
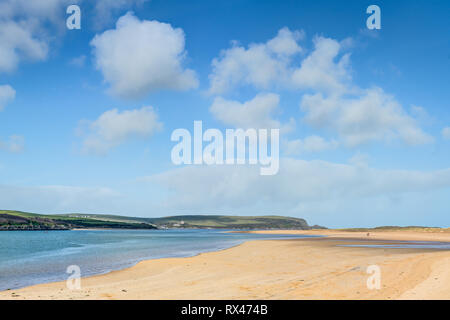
(210, 221)
(13, 220)
(16, 220)
(231, 222)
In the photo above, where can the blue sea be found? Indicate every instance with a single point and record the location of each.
(32, 257)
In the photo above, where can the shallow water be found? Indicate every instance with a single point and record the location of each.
(405, 245)
(32, 257)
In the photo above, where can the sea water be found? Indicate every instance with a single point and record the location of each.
(432, 245)
(32, 257)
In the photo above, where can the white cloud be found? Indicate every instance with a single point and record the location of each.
(285, 43)
(24, 29)
(113, 128)
(310, 144)
(7, 94)
(446, 133)
(321, 71)
(260, 65)
(330, 100)
(15, 144)
(298, 182)
(17, 42)
(371, 116)
(138, 57)
(255, 113)
(271, 64)
(357, 115)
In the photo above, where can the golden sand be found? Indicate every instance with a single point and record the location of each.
(276, 269)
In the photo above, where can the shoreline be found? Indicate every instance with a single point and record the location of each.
(394, 235)
(131, 265)
(271, 269)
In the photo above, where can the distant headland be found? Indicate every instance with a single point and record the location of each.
(19, 220)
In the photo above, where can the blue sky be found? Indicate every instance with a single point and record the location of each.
(86, 115)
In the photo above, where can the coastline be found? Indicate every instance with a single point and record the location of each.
(310, 268)
(394, 235)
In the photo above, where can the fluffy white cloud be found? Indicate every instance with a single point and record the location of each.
(330, 100)
(321, 70)
(285, 43)
(16, 42)
(15, 144)
(297, 183)
(371, 116)
(24, 29)
(356, 115)
(275, 63)
(7, 94)
(255, 113)
(260, 65)
(138, 57)
(446, 133)
(113, 128)
(309, 144)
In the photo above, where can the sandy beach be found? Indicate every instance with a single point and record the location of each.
(318, 268)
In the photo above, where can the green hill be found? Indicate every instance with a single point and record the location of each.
(17, 220)
(231, 222)
(210, 221)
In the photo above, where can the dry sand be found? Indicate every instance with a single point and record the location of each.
(276, 269)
